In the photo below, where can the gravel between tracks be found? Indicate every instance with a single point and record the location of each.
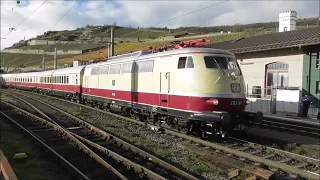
(161, 144)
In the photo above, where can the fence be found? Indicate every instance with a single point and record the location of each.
(258, 92)
(279, 101)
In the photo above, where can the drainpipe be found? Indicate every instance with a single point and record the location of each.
(309, 72)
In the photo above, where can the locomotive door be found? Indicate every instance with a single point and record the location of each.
(164, 88)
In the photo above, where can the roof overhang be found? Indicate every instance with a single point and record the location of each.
(306, 48)
(310, 48)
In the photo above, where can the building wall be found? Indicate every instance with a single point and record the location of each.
(314, 75)
(253, 67)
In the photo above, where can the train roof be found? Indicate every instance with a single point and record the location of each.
(6, 75)
(45, 73)
(71, 70)
(140, 55)
(30, 74)
(186, 51)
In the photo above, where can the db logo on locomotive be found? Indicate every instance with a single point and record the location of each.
(235, 87)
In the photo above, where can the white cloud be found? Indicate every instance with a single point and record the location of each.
(140, 13)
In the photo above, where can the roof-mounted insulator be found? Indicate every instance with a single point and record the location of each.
(181, 44)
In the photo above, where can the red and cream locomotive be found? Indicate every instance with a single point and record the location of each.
(188, 86)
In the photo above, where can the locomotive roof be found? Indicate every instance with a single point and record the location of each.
(140, 55)
(71, 70)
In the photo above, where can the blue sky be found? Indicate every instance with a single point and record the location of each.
(140, 13)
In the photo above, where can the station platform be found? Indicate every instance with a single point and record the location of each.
(293, 119)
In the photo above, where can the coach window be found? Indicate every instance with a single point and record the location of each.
(144, 66)
(182, 62)
(95, 71)
(64, 79)
(190, 63)
(126, 68)
(67, 79)
(114, 69)
(104, 70)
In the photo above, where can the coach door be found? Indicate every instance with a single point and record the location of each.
(164, 88)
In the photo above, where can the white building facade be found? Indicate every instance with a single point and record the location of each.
(262, 73)
(287, 21)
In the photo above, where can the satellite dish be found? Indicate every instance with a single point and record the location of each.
(18, 1)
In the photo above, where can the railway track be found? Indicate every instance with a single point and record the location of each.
(309, 130)
(57, 144)
(281, 162)
(108, 147)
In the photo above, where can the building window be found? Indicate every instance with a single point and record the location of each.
(318, 87)
(276, 76)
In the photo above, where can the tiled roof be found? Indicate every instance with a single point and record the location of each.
(271, 41)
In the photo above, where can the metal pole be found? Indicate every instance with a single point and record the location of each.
(109, 51)
(43, 63)
(55, 59)
(112, 39)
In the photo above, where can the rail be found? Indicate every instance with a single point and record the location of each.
(6, 169)
(79, 174)
(135, 149)
(71, 138)
(234, 151)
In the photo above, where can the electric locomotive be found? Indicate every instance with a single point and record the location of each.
(187, 85)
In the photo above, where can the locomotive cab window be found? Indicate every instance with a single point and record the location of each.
(185, 62)
(216, 62)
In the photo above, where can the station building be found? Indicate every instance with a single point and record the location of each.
(282, 60)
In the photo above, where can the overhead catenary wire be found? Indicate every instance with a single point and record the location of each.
(156, 23)
(26, 17)
(54, 24)
(185, 14)
(171, 19)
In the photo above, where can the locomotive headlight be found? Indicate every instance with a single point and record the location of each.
(215, 102)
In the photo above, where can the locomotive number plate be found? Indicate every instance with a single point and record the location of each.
(235, 103)
(236, 88)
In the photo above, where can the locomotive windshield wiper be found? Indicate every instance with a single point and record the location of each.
(223, 73)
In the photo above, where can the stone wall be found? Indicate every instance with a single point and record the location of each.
(24, 51)
(96, 41)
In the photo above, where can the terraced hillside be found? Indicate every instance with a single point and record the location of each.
(65, 47)
(23, 60)
(98, 36)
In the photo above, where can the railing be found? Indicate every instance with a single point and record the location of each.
(258, 92)
(287, 103)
